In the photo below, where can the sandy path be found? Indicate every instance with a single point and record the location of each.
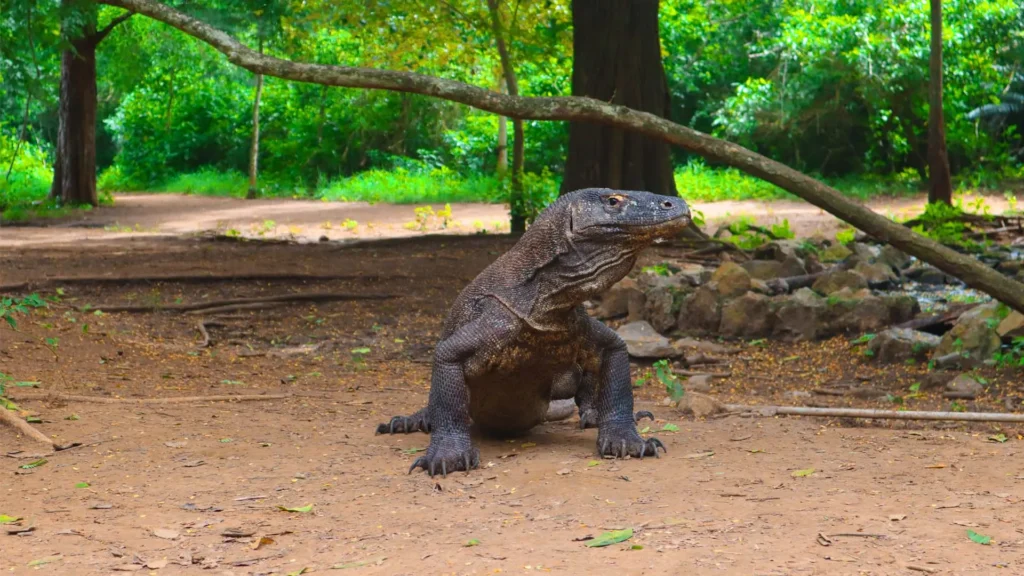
(306, 220)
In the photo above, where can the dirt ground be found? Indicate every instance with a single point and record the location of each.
(196, 488)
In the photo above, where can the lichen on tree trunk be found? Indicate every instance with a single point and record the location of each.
(617, 59)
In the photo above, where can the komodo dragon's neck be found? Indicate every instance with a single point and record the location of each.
(550, 272)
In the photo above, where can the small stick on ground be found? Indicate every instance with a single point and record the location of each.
(878, 414)
(170, 400)
(702, 373)
(8, 417)
(201, 326)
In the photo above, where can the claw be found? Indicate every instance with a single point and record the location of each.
(469, 465)
(625, 451)
(643, 414)
(604, 447)
(421, 461)
(655, 444)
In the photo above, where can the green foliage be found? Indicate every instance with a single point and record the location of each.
(11, 306)
(662, 372)
(30, 177)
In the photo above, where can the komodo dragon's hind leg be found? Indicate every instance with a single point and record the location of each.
(416, 422)
(581, 386)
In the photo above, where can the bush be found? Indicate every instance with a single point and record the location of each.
(30, 177)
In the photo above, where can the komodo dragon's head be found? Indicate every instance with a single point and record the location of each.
(623, 217)
(588, 240)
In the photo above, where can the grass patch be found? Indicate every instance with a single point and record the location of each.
(400, 186)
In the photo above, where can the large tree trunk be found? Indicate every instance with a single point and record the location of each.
(617, 59)
(940, 185)
(968, 269)
(74, 165)
(74, 172)
(516, 200)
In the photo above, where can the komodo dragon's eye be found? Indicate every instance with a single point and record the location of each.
(613, 201)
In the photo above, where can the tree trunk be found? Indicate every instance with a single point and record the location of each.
(576, 109)
(617, 59)
(516, 201)
(254, 149)
(74, 172)
(940, 186)
(502, 163)
(74, 166)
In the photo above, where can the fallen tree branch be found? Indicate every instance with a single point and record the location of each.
(220, 305)
(169, 400)
(933, 320)
(191, 279)
(880, 414)
(237, 307)
(579, 109)
(8, 417)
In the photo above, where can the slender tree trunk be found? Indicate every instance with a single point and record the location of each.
(940, 185)
(254, 149)
(74, 166)
(617, 59)
(516, 200)
(502, 166)
(169, 113)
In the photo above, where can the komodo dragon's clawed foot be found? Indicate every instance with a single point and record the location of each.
(643, 414)
(588, 419)
(621, 440)
(405, 424)
(446, 455)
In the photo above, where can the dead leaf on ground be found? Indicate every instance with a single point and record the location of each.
(935, 466)
(237, 532)
(181, 444)
(897, 517)
(157, 564)
(697, 455)
(261, 541)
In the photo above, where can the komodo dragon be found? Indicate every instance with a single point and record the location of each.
(518, 337)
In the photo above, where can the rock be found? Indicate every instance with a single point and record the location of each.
(965, 386)
(866, 252)
(700, 383)
(900, 344)
(763, 269)
(732, 280)
(624, 298)
(748, 316)
(876, 274)
(780, 250)
(930, 276)
(835, 253)
(684, 344)
(648, 281)
(793, 266)
(974, 335)
(936, 380)
(813, 264)
(799, 316)
(893, 257)
(701, 311)
(643, 341)
(837, 280)
(699, 405)
(902, 307)
(761, 287)
(661, 307)
(1012, 326)
(857, 314)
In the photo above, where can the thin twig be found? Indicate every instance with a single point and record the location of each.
(8, 417)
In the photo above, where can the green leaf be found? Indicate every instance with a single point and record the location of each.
(43, 561)
(5, 519)
(803, 473)
(360, 350)
(82, 485)
(413, 450)
(298, 572)
(636, 547)
(34, 464)
(593, 463)
(979, 538)
(670, 428)
(610, 537)
(998, 438)
(226, 440)
(5, 403)
(473, 542)
(232, 382)
(645, 430)
(302, 509)
(27, 384)
(33, 419)
(72, 417)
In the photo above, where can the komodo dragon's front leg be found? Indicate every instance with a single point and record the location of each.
(616, 423)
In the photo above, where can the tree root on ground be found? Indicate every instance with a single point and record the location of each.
(235, 303)
(191, 279)
(168, 400)
(872, 413)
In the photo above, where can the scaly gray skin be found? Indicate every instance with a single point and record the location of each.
(518, 337)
